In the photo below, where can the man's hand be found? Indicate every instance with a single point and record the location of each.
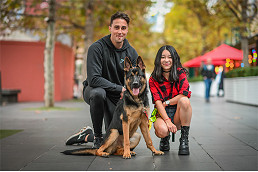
(122, 93)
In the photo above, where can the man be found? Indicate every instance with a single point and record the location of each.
(104, 84)
(208, 73)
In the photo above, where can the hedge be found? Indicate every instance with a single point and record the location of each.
(242, 72)
(195, 79)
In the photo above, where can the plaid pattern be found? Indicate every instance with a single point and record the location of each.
(167, 90)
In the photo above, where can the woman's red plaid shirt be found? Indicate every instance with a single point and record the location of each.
(167, 90)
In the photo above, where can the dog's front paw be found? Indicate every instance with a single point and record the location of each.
(105, 154)
(127, 155)
(102, 154)
(133, 153)
(158, 153)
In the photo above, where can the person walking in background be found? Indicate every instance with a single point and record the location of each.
(208, 73)
(170, 94)
(105, 78)
(221, 76)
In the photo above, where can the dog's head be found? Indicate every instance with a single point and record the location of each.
(135, 79)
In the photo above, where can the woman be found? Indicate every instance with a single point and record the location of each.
(170, 92)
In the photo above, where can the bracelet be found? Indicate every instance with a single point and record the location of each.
(166, 119)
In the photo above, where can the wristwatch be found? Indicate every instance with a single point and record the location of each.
(167, 102)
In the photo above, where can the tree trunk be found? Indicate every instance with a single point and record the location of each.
(204, 44)
(89, 29)
(244, 33)
(49, 57)
(244, 47)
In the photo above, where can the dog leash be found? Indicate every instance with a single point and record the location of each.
(153, 117)
(145, 112)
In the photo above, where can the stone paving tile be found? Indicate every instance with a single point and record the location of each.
(196, 161)
(223, 151)
(15, 157)
(137, 163)
(237, 163)
(72, 166)
(182, 166)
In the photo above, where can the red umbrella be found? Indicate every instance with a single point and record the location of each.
(218, 62)
(223, 52)
(194, 62)
(218, 56)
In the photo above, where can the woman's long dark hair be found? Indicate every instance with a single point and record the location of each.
(173, 75)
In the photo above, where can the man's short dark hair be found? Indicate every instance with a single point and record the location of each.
(120, 15)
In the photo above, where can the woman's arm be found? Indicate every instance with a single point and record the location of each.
(174, 100)
(161, 109)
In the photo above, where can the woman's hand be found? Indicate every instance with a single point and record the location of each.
(171, 127)
(164, 104)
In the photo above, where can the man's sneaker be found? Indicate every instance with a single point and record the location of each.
(164, 144)
(97, 142)
(79, 138)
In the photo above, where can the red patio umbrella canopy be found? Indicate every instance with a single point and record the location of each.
(223, 52)
(218, 56)
(194, 62)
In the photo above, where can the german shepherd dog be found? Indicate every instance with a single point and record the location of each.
(130, 113)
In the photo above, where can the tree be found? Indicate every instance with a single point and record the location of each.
(194, 28)
(49, 57)
(241, 9)
(84, 20)
(91, 18)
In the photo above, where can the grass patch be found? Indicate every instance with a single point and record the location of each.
(6, 133)
(53, 109)
(76, 100)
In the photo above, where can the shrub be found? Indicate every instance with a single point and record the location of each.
(242, 72)
(195, 79)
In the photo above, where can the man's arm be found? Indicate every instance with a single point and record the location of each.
(94, 71)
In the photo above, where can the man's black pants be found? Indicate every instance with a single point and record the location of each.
(100, 107)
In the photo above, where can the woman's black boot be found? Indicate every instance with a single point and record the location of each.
(184, 143)
(164, 143)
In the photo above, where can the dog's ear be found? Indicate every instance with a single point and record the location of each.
(140, 63)
(127, 64)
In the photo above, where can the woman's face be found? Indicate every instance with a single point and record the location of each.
(166, 61)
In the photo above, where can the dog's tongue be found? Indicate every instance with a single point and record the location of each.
(136, 91)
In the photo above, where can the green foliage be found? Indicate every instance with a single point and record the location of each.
(195, 79)
(9, 19)
(194, 28)
(242, 72)
(71, 17)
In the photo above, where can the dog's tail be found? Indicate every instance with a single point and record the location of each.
(82, 151)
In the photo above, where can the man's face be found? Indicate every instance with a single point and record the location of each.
(118, 30)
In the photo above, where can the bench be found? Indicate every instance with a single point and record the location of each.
(10, 95)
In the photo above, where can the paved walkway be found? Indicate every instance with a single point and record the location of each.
(223, 136)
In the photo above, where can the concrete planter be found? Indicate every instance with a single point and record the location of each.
(239, 90)
(242, 90)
